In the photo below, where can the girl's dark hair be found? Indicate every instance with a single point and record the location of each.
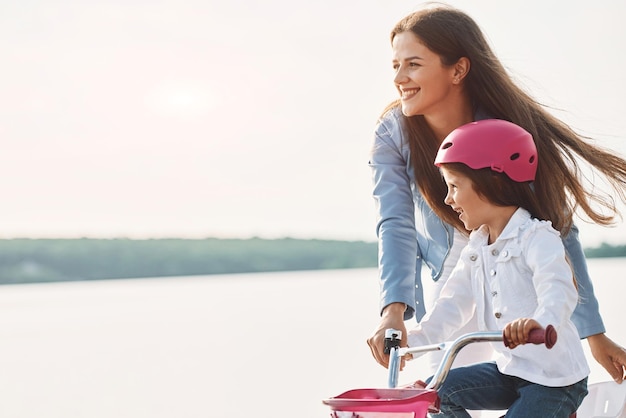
(560, 186)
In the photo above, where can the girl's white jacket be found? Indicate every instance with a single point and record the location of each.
(524, 274)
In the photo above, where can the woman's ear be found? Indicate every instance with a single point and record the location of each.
(461, 68)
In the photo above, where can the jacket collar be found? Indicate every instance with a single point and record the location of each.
(520, 217)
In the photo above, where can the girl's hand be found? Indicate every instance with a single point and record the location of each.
(516, 332)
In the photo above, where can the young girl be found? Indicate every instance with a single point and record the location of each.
(513, 275)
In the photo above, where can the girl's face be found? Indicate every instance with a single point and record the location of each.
(473, 209)
(424, 83)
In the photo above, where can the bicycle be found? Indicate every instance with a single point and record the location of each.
(417, 402)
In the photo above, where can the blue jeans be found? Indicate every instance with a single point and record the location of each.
(481, 386)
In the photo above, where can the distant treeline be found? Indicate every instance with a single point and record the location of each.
(49, 260)
(606, 250)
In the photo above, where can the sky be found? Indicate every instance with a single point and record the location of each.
(234, 119)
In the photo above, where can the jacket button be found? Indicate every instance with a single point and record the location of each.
(473, 257)
(494, 252)
(492, 272)
(498, 314)
(494, 293)
(505, 253)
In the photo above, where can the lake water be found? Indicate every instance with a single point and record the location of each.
(256, 345)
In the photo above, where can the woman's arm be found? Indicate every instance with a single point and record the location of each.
(398, 251)
(398, 263)
(587, 317)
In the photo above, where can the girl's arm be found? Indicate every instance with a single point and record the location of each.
(552, 276)
(453, 309)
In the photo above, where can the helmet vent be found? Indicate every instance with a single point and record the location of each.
(514, 156)
(532, 159)
(446, 145)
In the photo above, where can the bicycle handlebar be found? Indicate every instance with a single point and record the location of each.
(545, 336)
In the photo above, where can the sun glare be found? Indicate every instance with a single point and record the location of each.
(181, 99)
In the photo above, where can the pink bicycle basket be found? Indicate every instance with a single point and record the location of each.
(384, 403)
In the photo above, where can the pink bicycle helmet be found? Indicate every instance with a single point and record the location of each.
(500, 145)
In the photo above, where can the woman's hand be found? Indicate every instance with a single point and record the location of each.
(610, 355)
(392, 317)
(517, 332)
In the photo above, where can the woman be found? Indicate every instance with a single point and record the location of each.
(447, 76)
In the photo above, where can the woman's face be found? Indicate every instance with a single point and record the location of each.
(424, 83)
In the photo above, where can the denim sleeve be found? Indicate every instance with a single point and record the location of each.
(399, 261)
(586, 316)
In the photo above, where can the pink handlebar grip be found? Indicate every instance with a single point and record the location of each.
(540, 336)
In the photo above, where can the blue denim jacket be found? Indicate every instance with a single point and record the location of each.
(410, 234)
